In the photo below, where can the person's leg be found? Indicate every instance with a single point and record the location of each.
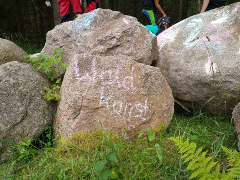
(92, 5)
(154, 13)
(150, 16)
(76, 7)
(64, 10)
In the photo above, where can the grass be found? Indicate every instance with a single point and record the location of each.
(29, 48)
(137, 159)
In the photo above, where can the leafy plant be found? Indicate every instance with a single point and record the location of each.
(24, 150)
(52, 93)
(46, 139)
(51, 65)
(106, 168)
(159, 153)
(151, 137)
(233, 158)
(203, 167)
(202, 136)
(48, 63)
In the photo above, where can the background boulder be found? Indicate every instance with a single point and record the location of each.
(199, 57)
(103, 33)
(11, 52)
(115, 90)
(23, 111)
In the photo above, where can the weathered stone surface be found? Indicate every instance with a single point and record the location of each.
(116, 90)
(199, 57)
(11, 52)
(236, 117)
(105, 33)
(23, 111)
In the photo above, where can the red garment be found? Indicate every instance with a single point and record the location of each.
(65, 5)
(92, 5)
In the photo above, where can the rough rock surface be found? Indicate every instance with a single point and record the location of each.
(116, 90)
(105, 33)
(11, 52)
(23, 111)
(199, 57)
(236, 117)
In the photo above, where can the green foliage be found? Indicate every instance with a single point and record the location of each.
(46, 139)
(108, 168)
(27, 149)
(52, 93)
(138, 158)
(202, 136)
(151, 136)
(51, 64)
(159, 153)
(48, 63)
(233, 158)
(24, 151)
(203, 167)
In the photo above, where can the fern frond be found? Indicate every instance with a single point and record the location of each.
(233, 158)
(216, 173)
(235, 171)
(207, 176)
(211, 177)
(194, 174)
(197, 162)
(210, 166)
(202, 166)
(196, 154)
(225, 176)
(184, 147)
(191, 150)
(231, 155)
(177, 140)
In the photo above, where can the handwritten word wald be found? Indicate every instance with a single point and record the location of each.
(140, 110)
(108, 77)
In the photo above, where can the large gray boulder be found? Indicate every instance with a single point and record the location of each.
(103, 33)
(10, 51)
(199, 57)
(23, 111)
(115, 90)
